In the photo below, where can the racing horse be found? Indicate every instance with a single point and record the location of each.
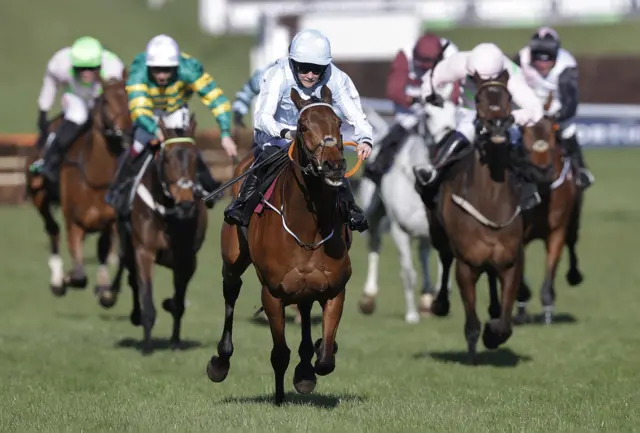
(85, 175)
(478, 220)
(299, 247)
(167, 226)
(555, 219)
(401, 204)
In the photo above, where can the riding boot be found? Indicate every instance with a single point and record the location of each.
(118, 195)
(428, 176)
(206, 181)
(584, 177)
(237, 212)
(356, 218)
(389, 146)
(65, 136)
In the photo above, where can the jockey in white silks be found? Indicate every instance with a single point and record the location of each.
(76, 70)
(488, 62)
(403, 89)
(548, 68)
(307, 68)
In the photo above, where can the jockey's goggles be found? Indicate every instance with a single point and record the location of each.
(544, 49)
(161, 69)
(85, 68)
(305, 68)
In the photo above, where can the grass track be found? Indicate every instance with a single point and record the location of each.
(67, 365)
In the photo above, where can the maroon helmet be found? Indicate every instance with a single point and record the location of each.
(426, 52)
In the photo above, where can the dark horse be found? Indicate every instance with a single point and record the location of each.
(478, 221)
(556, 219)
(85, 176)
(167, 226)
(299, 247)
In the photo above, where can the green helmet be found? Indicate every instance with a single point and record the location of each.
(86, 52)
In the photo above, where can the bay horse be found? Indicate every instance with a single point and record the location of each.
(554, 220)
(86, 173)
(478, 220)
(299, 247)
(167, 226)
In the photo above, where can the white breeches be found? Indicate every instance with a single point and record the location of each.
(75, 108)
(178, 119)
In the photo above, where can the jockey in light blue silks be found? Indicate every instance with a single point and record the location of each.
(307, 68)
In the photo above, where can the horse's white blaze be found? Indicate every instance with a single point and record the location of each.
(540, 146)
(57, 271)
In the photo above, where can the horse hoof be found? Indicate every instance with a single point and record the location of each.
(574, 277)
(107, 298)
(58, 290)
(493, 336)
(324, 367)
(77, 283)
(135, 319)
(425, 305)
(412, 318)
(167, 305)
(176, 345)
(318, 345)
(147, 348)
(304, 381)
(367, 304)
(521, 319)
(279, 400)
(217, 369)
(440, 309)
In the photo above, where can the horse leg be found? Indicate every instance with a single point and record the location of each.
(218, 366)
(402, 240)
(280, 354)
(367, 301)
(574, 276)
(441, 305)
(327, 347)
(554, 244)
(494, 301)
(428, 290)
(56, 281)
(136, 316)
(304, 378)
(75, 238)
(181, 276)
(498, 331)
(104, 248)
(522, 299)
(467, 277)
(145, 260)
(109, 295)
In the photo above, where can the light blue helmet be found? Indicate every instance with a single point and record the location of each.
(310, 46)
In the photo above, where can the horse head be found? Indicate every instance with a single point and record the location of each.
(539, 143)
(111, 113)
(318, 140)
(177, 167)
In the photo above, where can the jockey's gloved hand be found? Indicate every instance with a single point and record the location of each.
(288, 134)
(237, 119)
(435, 99)
(43, 123)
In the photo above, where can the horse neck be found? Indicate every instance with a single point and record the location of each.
(306, 199)
(413, 152)
(495, 198)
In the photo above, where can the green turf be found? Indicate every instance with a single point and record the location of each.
(68, 365)
(584, 40)
(38, 28)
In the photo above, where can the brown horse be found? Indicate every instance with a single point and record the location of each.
(478, 221)
(554, 219)
(167, 226)
(85, 175)
(299, 247)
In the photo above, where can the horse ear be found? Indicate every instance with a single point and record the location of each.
(325, 94)
(297, 99)
(192, 125)
(503, 77)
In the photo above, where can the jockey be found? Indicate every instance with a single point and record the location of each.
(551, 69)
(488, 61)
(403, 89)
(77, 70)
(245, 95)
(161, 81)
(307, 68)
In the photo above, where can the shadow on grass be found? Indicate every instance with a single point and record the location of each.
(156, 344)
(323, 401)
(503, 357)
(261, 320)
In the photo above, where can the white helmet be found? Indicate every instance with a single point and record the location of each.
(487, 60)
(162, 51)
(310, 46)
